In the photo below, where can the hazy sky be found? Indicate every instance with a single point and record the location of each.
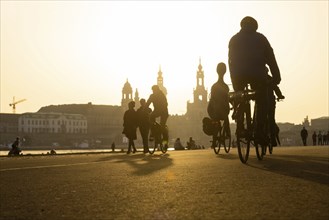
(59, 52)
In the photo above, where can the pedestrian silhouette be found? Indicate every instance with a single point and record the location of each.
(314, 138)
(324, 138)
(320, 138)
(130, 126)
(143, 115)
(304, 134)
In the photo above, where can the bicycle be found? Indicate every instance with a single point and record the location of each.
(246, 125)
(246, 134)
(220, 132)
(160, 138)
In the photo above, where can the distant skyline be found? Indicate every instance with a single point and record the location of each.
(67, 52)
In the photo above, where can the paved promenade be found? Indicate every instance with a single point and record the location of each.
(293, 183)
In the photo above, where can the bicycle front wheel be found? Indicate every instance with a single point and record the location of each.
(163, 148)
(152, 148)
(243, 148)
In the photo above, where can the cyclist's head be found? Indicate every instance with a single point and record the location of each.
(249, 23)
(155, 88)
(221, 68)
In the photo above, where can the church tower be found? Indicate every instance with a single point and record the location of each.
(160, 82)
(136, 99)
(200, 93)
(198, 109)
(127, 95)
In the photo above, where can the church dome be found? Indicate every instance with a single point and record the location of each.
(127, 88)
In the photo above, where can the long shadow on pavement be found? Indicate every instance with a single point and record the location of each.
(309, 168)
(227, 156)
(143, 164)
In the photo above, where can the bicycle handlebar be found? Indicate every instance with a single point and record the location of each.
(245, 94)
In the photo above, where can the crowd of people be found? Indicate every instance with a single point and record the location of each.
(145, 119)
(320, 138)
(250, 59)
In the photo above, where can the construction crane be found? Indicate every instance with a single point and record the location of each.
(14, 103)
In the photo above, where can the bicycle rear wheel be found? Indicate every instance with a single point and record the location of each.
(216, 140)
(226, 136)
(216, 146)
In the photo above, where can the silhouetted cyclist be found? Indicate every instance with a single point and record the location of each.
(160, 109)
(219, 107)
(249, 52)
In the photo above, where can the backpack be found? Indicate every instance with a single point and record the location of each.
(208, 127)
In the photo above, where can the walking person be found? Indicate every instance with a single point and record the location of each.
(324, 138)
(130, 126)
(314, 138)
(113, 146)
(304, 134)
(320, 138)
(143, 115)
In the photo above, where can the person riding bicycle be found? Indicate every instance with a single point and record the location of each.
(160, 106)
(219, 107)
(249, 52)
